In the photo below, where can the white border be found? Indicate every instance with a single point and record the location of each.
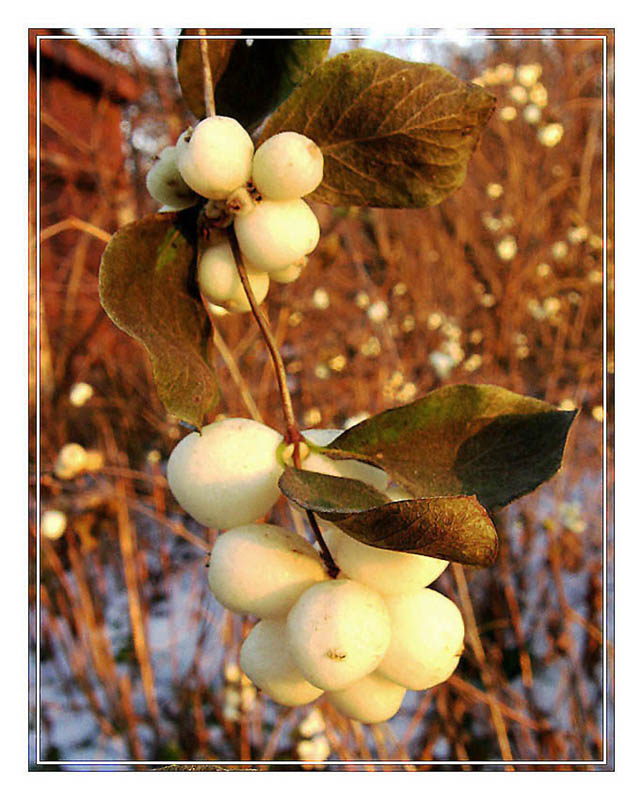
(606, 619)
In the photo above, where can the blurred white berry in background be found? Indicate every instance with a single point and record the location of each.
(53, 523)
(71, 460)
(80, 393)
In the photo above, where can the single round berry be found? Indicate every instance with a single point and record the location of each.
(387, 571)
(217, 272)
(286, 166)
(277, 233)
(53, 523)
(219, 279)
(268, 664)
(227, 474)
(71, 460)
(262, 569)
(338, 632)
(427, 638)
(372, 699)
(165, 184)
(216, 157)
(259, 283)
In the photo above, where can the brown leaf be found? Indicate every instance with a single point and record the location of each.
(452, 528)
(146, 286)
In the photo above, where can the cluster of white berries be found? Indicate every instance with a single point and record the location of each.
(260, 193)
(364, 638)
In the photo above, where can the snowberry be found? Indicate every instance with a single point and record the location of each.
(289, 274)
(322, 437)
(53, 523)
(387, 571)
(286, 166)
(216, 157)
(165, 184)
(71, 460)
(337, 632)
(219, 279)
(262, 569)
(316, 750)
(276, 233)
(427, 638)
(226, 475)
(345, 468)
(372, 699)
(268, 664)
(217, 272)
(80, 393)
(259, 283)
(312, 724)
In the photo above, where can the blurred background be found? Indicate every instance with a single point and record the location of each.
(505, 282)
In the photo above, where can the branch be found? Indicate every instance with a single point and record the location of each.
(208, 85)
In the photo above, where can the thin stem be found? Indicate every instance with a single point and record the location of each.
(224, 351)
(331, 567)
(208, 85)
(292, 431)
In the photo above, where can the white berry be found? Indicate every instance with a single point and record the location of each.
(344, 468)
(289, 274)
(262, 569)
(216, 157)
(286, 166)
(53, 523)
(268, 664)
(347, 468)
(165, 184)
(226, 475)
(72, 459)
(387, 571)
(338, 632)
(219, 279)
(372, 699)
(259, 283)
(276, 233)
(427, 638)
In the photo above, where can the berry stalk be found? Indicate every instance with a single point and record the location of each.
(292, 430)
(208, 84)
(293, 434)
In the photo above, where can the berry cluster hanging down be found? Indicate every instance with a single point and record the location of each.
(362, 639)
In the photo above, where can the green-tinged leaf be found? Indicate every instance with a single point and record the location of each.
(147, 287)
(452, 528)
(393, 133)
(512, 455)
(472, 440)
(250, 80)
(329, 494)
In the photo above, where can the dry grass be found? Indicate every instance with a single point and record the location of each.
(133, 649)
